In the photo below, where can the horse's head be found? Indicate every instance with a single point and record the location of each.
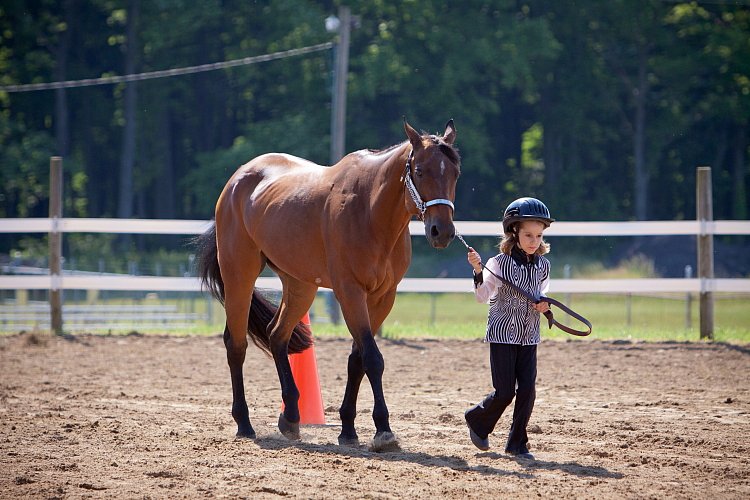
(433, 169)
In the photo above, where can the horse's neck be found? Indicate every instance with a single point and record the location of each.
(387, 202)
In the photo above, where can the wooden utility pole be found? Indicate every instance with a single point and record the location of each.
(340, 75)
(342, 25)
(55, 243)
(705, 216)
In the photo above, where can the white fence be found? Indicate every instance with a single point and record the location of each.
(466, 228)
(23, 317)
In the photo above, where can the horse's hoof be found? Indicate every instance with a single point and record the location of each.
(290, 430)
(245, 432)
(352, 442)
(384, 441)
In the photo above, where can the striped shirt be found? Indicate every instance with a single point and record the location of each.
(511, 318)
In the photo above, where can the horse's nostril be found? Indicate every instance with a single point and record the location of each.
(434, 232)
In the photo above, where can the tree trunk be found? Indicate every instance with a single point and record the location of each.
(552, 152)
(639, 139)
(96, 193)
(739, 174)
(164, 192)
(62, 118)
(125, 198)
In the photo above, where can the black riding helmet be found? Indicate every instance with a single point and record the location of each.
(526, 209)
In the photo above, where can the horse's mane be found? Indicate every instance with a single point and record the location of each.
(384, 150)
(447, 149)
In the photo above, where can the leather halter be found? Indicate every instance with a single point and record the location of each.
(535, 300)
(422, 206)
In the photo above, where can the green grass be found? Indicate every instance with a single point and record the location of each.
(660, 318)
(657, 318)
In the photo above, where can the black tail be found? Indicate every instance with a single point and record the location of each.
(261, 310)
(208, 263)
(261, 314)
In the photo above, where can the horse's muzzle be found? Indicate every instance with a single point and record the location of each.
(440, 234)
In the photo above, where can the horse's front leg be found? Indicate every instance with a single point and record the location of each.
(374, 366)
(355, 310)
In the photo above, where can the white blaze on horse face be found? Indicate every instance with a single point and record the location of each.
(442, 167)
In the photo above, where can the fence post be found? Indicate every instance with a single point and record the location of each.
(55, 244)
(705, 215)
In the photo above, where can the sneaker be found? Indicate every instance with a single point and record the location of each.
(522, 453)
(482, 444)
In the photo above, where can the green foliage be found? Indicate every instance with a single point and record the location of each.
(24, 169)
(545, 95)
(204, 184)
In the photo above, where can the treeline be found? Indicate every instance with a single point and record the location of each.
(602, 109)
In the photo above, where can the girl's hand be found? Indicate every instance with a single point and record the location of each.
(542, 307)
(475, 260)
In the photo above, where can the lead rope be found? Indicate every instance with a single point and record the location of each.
(550, 317)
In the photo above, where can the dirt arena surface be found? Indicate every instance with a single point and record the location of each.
(149, 417)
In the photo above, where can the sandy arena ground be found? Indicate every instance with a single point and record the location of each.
(149, 417)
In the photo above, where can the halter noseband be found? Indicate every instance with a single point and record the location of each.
(422, 206)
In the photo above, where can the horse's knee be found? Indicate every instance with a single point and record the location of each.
(373, 363)
(354, 364)
(372, 358)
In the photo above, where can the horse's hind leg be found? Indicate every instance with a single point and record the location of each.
(240, 267)
(295, 302)
(235, 359)
(348, 410)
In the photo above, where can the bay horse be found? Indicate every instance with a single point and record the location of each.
(343, 227)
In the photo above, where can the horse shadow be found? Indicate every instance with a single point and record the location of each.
(450, 461)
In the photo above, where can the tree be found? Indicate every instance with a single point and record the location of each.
(476, 61)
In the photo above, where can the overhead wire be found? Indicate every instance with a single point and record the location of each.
(108, 80)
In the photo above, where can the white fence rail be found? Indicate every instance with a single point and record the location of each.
(466, 228)
(19, 317)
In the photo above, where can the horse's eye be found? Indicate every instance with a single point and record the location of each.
(418, 171)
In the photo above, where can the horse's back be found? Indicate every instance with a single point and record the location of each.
(275, 197)
(269, 176)
(270, 166)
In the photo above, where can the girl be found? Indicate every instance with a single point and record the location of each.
(512, 322)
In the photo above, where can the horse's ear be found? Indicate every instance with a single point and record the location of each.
(450, 132)
(414, 138)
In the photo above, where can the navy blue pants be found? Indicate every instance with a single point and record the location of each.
(513, 375)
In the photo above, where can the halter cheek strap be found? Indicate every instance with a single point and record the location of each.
(422, 206)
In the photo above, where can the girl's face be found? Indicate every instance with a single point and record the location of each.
(530, 234)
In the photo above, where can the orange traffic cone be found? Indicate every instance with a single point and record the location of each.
(305, 373)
